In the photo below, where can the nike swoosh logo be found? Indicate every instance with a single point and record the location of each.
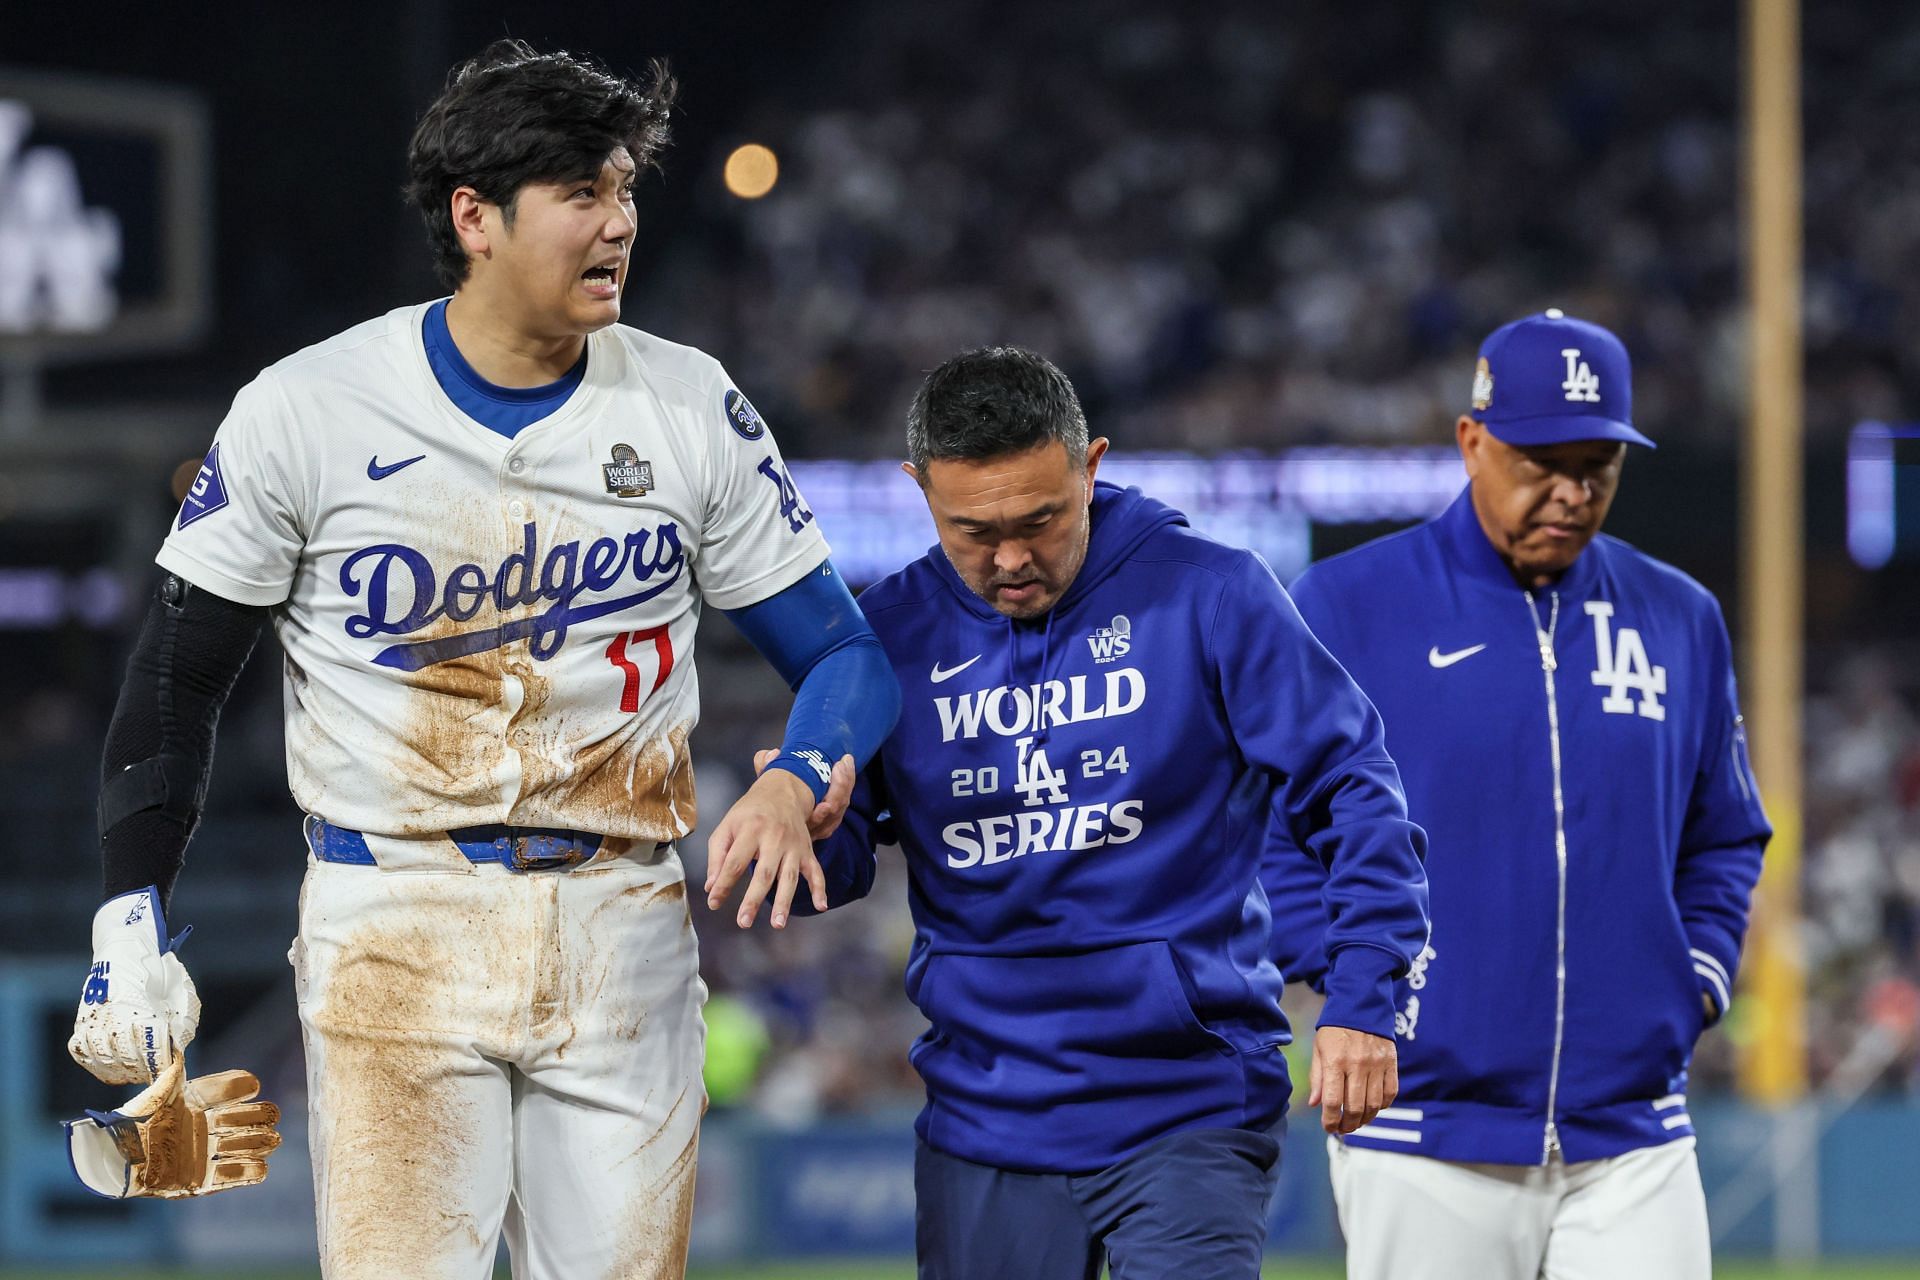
(377, 472)
(943, 674)
(1438, 659)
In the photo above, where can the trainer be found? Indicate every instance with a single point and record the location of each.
(1101, 706)
(1562, 708)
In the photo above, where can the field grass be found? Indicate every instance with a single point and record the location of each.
(903, 1270)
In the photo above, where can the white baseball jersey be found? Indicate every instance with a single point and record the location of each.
(490, 630)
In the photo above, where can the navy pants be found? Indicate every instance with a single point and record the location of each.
(1191, 1205)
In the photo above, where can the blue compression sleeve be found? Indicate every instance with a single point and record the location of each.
(845, 696)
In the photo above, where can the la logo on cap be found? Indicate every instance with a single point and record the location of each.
(1582, 382)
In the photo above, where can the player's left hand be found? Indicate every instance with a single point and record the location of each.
(1353, 1075)
(826, 816)
(138, 1008)
(768, 829)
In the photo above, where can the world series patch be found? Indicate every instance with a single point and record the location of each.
(627, 476)
(747, 424)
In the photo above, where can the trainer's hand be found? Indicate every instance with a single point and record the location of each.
(826, 816)
(767, 830)
(1353, 1075)
(138, 1008)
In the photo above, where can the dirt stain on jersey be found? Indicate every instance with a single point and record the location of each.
(468, 715)
(622, 785)
(451, 739)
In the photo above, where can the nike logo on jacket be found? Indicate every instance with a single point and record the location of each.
(1443, 660)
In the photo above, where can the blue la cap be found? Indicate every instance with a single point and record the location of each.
(1550, 379)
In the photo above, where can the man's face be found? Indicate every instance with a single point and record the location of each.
(562, 263)
(1540, 505)
(1015, 527)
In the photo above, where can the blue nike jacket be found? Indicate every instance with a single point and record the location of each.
(1082, 801)
(1576, 757)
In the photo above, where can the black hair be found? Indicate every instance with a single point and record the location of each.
(512, 116)
(994, 401)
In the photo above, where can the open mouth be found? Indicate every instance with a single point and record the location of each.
(604, 277)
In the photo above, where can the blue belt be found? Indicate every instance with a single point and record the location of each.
(516, 848)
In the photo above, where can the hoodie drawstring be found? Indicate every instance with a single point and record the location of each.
(1042, 729)
(1040, 710)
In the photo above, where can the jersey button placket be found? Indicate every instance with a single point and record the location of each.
(511, 485)
(514, 488)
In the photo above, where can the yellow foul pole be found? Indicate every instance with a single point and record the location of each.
(1773, 1066)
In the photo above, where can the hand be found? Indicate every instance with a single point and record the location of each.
(138, 1009)
(767, 829)
(826, 816)
(1353, 1075)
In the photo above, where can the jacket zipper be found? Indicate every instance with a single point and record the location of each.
(1549, 663)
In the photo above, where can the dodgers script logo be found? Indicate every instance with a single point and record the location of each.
(404, 594)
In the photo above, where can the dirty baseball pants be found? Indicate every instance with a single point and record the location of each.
(1641, 1215)
(492, 1050)
(1192, 1204)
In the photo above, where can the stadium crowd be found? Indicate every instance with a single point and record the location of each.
(1234, 232)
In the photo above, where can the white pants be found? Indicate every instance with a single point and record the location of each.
(490, 1050)
(1638, 1216)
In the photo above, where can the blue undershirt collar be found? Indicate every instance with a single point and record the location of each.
(503, 409)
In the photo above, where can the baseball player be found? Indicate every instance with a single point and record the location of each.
(483, 529)
(1562, 708)
(1102, 703)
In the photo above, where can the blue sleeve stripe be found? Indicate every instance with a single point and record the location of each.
(846, 698)
(795, 628)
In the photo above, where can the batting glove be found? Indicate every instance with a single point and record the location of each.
(138, 1008)
(179, 1137)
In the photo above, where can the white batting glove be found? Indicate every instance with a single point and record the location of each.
(138, 1009)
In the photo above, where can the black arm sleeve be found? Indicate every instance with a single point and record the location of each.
(153, 776)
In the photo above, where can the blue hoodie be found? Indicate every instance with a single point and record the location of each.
(1082, 801)
(1576, 757)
